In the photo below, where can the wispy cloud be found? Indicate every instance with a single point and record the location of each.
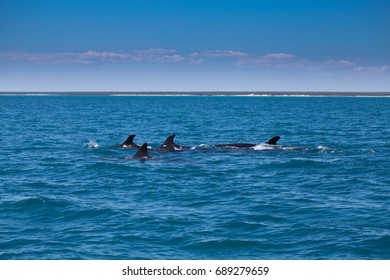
(218, 54)
(104, 56)
(169, 56)
(90, 57)
(266, 59)
(63, 57)
(341, 63)
(372, 69)
(201, 57)
(156, 55)
(279, 56)
(293, 62)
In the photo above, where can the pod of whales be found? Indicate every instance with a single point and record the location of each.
(170, 146)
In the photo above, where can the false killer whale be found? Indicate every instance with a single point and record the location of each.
(142, 153)
(128, 143)
(170, 145)
(271, 141)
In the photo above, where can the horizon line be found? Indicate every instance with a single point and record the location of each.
(199, 91)
(202, 93)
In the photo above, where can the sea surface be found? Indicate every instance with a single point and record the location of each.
(322, 193)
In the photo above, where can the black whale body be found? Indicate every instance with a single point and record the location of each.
(271, 141)
(142, 153)
(170, 145)
(128, 143)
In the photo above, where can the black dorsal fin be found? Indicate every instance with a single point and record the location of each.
(169, 141)
(273, 140)
(129, 141)
(143, 152)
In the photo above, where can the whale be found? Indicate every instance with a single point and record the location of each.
(128, 143)
(142, 153)
(273, 141)
(170, 145)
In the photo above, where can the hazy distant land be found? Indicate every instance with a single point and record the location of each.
(199, 93)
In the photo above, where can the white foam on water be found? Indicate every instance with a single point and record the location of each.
(325, 149)
(263, 147)
(92, 144)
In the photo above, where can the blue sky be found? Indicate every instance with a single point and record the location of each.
(190, 45)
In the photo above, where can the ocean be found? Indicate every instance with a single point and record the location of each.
(322, 193)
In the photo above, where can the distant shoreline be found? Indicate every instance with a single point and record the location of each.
(198, 93)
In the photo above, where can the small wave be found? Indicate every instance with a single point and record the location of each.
(92, 144)
(293, 148)
(324, 149)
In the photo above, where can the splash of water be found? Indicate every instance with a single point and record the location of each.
(92, 144)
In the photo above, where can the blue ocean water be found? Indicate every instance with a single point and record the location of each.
(65, 194)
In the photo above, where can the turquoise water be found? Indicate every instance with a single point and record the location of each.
(65, 194)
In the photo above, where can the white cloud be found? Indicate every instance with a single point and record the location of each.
(156, 55)
(104, 55)
(217, 54)
(168, 56)
(372, 69)
(279, 56)
(340, 63)
(267, 59)
(63, 57)
(90, 57)
(290, 61)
